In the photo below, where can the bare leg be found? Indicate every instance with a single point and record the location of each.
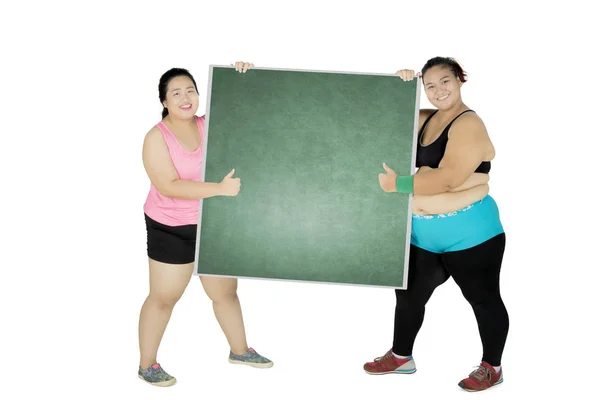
(228, 311)
(167, 284)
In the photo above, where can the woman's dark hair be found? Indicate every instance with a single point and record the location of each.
(164, 82)
(448, 62)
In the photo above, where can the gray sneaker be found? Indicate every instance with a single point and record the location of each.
(251, 358)
(156, 376)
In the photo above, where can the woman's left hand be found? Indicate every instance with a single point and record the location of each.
(241, 66)
(387, 181)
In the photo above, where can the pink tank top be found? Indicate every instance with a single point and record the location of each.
(172, 211)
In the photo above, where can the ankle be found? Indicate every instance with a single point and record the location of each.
(239, 351)
(144, 365)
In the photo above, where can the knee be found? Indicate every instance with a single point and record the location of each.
(408, 305)
(163, 301)
(224, 296)
(402, 301)
(220, 290)
(485, 302)
(412, 299)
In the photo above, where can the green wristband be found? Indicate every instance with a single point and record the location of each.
(404, 184)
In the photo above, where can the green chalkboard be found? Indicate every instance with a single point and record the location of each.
(308, 147)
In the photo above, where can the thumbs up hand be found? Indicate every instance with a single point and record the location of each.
(230, 186)
(387, 181)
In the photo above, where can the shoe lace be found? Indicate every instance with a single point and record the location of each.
(384, 357)
(481, 373)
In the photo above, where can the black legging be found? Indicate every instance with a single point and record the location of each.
(477, 273)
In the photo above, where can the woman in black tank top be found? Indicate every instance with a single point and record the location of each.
(450, 159)
(432, 154)
(468, 244)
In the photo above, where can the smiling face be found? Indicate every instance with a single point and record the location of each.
(442, 87)
(181, 98)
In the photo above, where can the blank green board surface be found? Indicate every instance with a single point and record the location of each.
(308, 147)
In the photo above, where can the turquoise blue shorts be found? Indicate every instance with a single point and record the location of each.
(460, 230)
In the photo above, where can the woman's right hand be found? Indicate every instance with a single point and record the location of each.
(230, 186)
(241, 66)
(407, 74)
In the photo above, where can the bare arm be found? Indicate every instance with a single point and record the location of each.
(468, 145)
(476, 179)
(449, 201)
(473, 189)
(472, 181)
(164, 177)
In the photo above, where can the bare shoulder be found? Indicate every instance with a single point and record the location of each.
(156, 160)
(469, 127)
(469, 123)
(153, 138)
(153, 134)
(154, 147)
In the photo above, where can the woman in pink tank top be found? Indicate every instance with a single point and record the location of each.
(172, 157)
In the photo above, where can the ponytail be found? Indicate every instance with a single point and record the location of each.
(164, 81)
(448, 62)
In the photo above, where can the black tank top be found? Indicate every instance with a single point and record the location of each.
(432, 154)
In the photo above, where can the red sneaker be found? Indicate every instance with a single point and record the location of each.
(482, 378)
(390, 364)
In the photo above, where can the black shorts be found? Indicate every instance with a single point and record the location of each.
(170, 244)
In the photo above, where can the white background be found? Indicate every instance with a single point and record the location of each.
(79, 92)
